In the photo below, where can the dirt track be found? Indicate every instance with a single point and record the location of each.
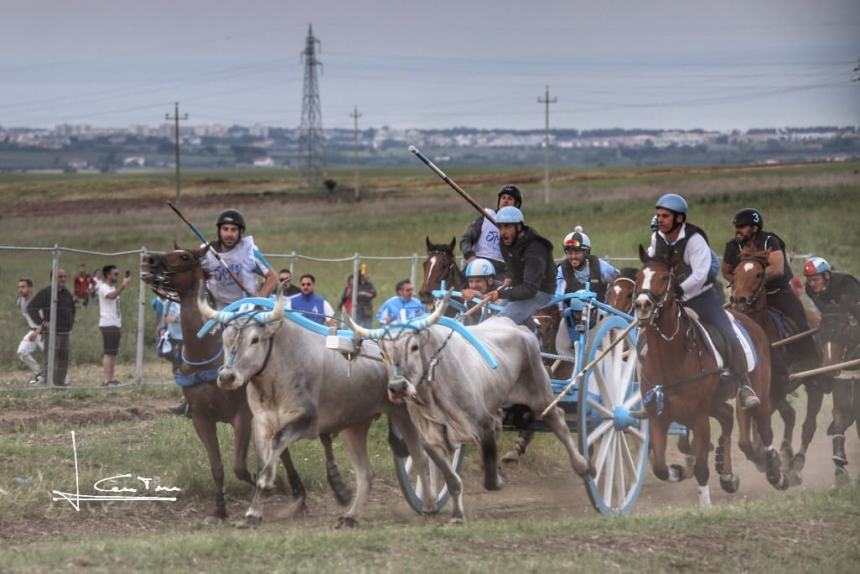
(544, 490)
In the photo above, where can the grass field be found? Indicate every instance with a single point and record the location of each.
(813, 207)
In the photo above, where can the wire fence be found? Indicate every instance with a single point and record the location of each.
(77, 347)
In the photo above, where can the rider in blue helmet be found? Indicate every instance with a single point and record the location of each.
(481, 276)
(687, 245)
(528, 258)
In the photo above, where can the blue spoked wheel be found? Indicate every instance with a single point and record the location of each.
(615, 443)
(412, 486)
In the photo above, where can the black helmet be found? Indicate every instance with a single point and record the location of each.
(230, 217)
(514, 192)
(748, 216)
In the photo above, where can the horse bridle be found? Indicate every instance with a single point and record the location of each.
(659, 304)
(159, 280)
(761, 286)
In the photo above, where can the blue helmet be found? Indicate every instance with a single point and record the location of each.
(509, 214)
(480, 268)
(815, 266)
(673, 202)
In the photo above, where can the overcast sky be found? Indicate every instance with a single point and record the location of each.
(650, 63)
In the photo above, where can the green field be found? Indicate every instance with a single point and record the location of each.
(813, 207)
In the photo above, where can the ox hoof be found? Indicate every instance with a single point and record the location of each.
(731, 484)
(346, 522)
(511, 457)
(456, 520)
(432, 511)
(213, 520)
(248, 522)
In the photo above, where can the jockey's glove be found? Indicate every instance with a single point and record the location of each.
(679, 291)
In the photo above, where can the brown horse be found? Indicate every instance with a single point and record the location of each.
(620, 293)
(440, 265)
(680, 381)
(840, 336)
(176, 274)
(748, 297)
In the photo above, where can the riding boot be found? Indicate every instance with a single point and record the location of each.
(182, 408)
(747, 399)
(839, 456)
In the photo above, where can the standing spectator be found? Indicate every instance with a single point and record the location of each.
(285, 276)
(82, 285)
(33, 337)
(364, 300)
(170, 342)
(110, 318)
(311, 305)
(39, 310)
(402, 307)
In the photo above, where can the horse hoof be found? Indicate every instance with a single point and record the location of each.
(212, 520)
(782, 483)
(346, 522)
(456, 520)
(511, 457)
(798, 462)
(248, 523)
(842, 476)
(794, 478)
(731, 484)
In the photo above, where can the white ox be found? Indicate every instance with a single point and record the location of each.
(454, 396)
(300, 389)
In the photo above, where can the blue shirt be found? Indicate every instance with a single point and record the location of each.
(311, 306)
(400, 311)
(174, 328)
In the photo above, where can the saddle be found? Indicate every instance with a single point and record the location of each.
(784, 326)
(718, 344)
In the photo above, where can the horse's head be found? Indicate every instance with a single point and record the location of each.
(441, 264)
(749, 280)
(173, 271)
(654, 285)
(620, 293)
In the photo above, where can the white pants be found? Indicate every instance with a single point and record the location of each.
(26, 348)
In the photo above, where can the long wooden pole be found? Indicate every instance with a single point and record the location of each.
(793, 338)
(823, 370)
(585, 369)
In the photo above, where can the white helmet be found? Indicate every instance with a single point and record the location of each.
(577, 240)
(480, 268)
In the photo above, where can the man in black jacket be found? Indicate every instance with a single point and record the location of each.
(482, 237)
(528, 258)
(39, 310)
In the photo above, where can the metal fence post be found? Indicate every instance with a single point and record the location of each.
(412, 273)
(52, 321)
(293, 259)
(356, 267)
(141, 323)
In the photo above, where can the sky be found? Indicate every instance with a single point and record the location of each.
(732, 64)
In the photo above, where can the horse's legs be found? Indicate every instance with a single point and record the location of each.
(789, 417)
(342, 492)
(355, 439)
(724, 413)
(844, 394)
(209, 436)
(659, 437)
(775, 476)
(241, 440)
(814, 398)
(701, 446)
(523, 440)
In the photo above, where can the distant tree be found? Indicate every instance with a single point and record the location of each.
(330, 184)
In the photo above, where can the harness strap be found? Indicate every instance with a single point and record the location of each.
(658, 391)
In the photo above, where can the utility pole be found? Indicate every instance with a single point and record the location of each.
(355, 115)
(546, 101)
(311, 142)
(176, 118)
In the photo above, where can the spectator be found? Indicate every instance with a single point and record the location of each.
(82, 285)
(110, 318)
(310, 304)
(33, 337)
(285, 276)
(364, 301)
(402, 307)
(39, 310)
(170, 341)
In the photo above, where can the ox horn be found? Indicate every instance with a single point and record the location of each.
(372, 334)
(425, 322)
(277, 313)
(206, 310)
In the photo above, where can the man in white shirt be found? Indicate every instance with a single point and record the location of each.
(32, 339)
(110, 318)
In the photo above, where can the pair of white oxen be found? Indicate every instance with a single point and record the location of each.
(435, 386)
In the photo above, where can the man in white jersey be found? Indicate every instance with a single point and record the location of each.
(32, 339)
(110, 318)
(482, 237)
(246, 263)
